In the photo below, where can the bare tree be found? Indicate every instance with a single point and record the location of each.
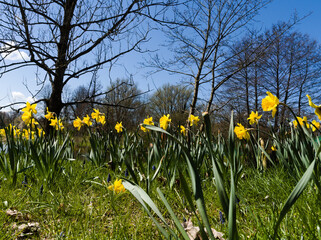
(201, 38)
(289, 68)
(67, 39)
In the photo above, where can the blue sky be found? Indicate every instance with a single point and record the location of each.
(12, 84)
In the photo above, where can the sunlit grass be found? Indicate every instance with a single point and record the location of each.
(79, 209)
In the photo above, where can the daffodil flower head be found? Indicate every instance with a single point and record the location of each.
(273, 148)
(102, 119)
(2, 132)
(193, 120)
(270, 103)
(183, 130)
(57, 124)
(28, 134)
(302, 121)
(87, 121)
(254, 118)
(26, 117)
(164, 121)
(147, 121)
(316, 107)
(49, 115)
(241, 132)
(117, 187)
(95, 114)
(40, 132)
(30, 108)
(98, 116)
(315, 125)
(78, 123)
(119, 127)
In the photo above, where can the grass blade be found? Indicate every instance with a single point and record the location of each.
(295, 194)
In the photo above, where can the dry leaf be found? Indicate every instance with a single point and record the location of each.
(15, 214)
(194, 232)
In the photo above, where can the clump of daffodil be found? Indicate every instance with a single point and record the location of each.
(119, 127)
(241, 132)
(164, 121)
(49, 115)
(78, 123)
(193, 120)
(117, 187)
(254, 118)
(316, 107)
(28, 112)
(147, 121)
(28, 134)
(302, 121)
(98, 116)
(87, 121)
(12, 129)
(270, 103)
(315, 125)
(56, 123)
(183, 130)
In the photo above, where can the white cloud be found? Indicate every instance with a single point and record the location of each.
(18, 97)
(15, 55)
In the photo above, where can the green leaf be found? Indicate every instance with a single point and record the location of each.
(232, 230)
(295, 194)
(173, 216)
(143, 198)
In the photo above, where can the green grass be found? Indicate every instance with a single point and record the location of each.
(75, 207)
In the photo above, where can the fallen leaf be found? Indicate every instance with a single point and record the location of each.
(194, 232)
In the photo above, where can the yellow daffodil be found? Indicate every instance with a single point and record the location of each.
(33, 123)
(30, 108)
(270, 103)
(40, 132)
(49, 115)
(78, 123)
(164, 121)
(317, 108)
(87, 121)
(302, 121)
(183, 130)
(98, 116)
(57, 124)
(102, 119)
(193, 120)
(254, 118)
(16, 132)
(119, 127)
(117, 187)
(241, 132)
(315, 125)
(27, 117)
(95, 114)
(2, 132)
(147, 121)
(28, 133)
(273, 148)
